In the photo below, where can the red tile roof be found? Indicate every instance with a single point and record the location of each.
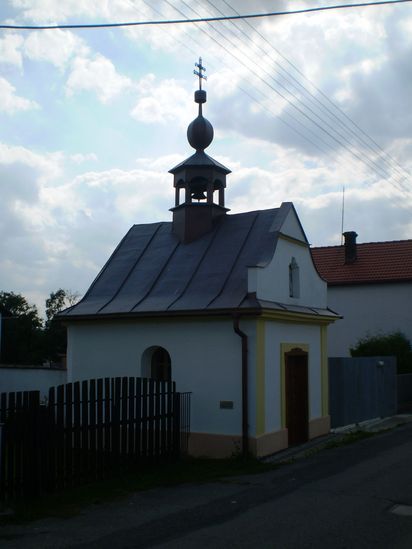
(376, 262)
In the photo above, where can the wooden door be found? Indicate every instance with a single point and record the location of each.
(297, 400)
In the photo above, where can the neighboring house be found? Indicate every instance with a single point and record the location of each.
(231, 307)
(370, 285)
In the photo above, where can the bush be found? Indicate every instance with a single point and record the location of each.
(392, 344)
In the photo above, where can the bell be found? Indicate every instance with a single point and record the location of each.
(199, 195)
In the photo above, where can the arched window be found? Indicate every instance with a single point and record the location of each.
(156, 364)
(294, 284)
(160, 366)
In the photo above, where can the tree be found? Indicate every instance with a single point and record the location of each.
(59, 300)
(21, 341)
(55, 332)
(391, 344)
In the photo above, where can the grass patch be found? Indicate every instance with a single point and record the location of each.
(349, 438)
(72, 500)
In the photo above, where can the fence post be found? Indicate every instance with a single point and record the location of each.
(33, 441)
(1, 462)
(176, 424)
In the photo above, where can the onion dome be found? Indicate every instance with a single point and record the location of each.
(200, 131)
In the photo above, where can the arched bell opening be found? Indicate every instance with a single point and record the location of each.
(198, 188)
(219, 186)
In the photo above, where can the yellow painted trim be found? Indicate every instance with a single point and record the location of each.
(293, 240)
(285, 348)
(301, 318)
(324, 370)
(266, 314)
(260, 377)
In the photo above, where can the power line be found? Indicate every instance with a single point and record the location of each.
(376, 149)
(244, 90)
(301, 110)
(358, 132)
(202, 19)
(239, 60)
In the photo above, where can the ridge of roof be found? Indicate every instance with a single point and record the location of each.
(362, 244)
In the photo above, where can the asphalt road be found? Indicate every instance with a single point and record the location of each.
(340, 498)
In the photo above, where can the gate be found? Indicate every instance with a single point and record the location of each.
(86, 431)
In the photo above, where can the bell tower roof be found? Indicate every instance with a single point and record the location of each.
(199, 176)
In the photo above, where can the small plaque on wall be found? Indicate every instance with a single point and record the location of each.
(226, 404)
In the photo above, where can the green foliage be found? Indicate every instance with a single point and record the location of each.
(55, 334)
(391, 344)
(58, 301)
(22, 335)
(24, 338)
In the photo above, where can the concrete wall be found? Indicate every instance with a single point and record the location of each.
(368, 309)
(14, 378)
(361, 388)
(205, 358)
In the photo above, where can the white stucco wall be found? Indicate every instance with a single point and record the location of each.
(205, 356)
(30, 379)
(277, 333)
(368, 309)
(272, 282)
(292, 227)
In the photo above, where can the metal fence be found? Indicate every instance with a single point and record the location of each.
(361, 388)
(88, 430)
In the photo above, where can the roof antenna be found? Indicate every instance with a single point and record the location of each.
(343, 215)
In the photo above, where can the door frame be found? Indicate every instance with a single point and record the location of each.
(286, 348)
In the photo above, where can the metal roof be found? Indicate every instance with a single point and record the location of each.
(200, 159)
(152, 272)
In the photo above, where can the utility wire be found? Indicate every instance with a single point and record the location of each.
(358, 133)
(395, 167)
(203, 19)
(275, 115)
(259, 102)
(376, 149)
(223, 47)
(377, 169)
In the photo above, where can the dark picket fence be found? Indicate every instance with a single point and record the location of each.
(87, 431)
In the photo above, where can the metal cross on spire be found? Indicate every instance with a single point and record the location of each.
(199, 73)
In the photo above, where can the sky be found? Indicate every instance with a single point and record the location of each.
(92, 120)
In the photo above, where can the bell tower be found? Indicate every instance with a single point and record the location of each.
(200, 178)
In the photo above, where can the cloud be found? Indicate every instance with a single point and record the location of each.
(10, 103)
(48, 167)
(10, 49)
(54, 46)
(41, 11)
(161, 102)
(96, 74)
(79, 158)
(47, 224)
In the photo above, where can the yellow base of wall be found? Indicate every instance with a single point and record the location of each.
(269, 443)
(225, 446)
(319, 426)
(214, 446)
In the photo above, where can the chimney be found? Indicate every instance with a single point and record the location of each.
(350, 247)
